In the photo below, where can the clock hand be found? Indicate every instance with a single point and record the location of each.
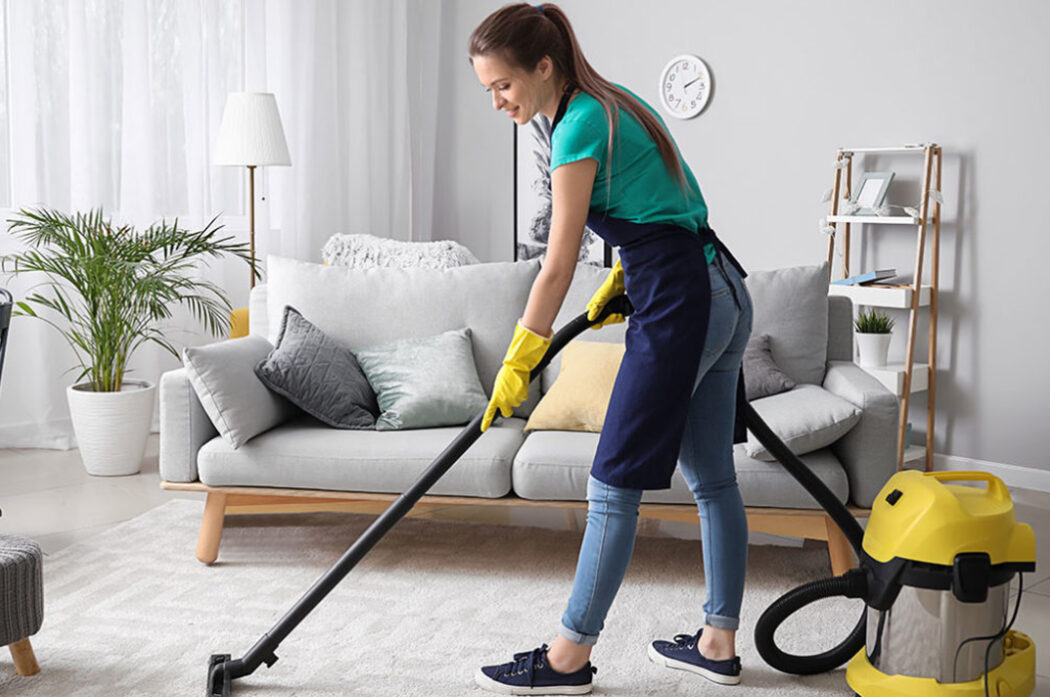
(691, 82)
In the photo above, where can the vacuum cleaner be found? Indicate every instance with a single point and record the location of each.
(934, 573)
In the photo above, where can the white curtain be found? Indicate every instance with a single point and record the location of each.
(115, 103)
(356, 83)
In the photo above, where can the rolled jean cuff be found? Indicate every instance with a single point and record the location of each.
(722, 622)
(577, 638)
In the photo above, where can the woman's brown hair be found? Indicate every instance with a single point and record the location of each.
(522, 33)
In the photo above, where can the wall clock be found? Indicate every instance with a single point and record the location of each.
(685, 86)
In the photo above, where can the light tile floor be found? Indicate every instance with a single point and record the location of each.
(47, 495)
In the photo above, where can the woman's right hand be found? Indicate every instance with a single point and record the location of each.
(612, 286)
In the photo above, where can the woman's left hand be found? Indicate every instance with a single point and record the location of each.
(511, 387)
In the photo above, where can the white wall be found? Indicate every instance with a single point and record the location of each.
(793, 82)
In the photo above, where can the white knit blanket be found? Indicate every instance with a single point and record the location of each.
(369, 251)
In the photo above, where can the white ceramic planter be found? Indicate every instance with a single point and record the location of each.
(873, 349)
(112, 427)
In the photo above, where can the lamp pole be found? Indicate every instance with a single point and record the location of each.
(251, 209)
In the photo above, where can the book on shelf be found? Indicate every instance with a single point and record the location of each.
(866, 278)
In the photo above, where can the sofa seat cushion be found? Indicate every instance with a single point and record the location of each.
(306, 454)
(806, 418)
(554, 466)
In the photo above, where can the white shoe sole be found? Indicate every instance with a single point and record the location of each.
(487, 683)
(659, 659)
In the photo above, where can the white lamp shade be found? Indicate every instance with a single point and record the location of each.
(250, 132)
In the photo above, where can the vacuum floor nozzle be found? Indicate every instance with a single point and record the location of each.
(218, 675)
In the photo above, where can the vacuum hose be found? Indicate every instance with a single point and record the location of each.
(852, 584)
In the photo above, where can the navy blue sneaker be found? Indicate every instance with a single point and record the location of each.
(684, 654)
(530, 674)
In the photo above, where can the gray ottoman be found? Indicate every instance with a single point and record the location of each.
(21, 599)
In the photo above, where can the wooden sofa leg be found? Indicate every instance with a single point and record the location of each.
(839, 549)
(211, 527)
(25, 660)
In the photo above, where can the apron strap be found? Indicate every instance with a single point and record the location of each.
(708, 235)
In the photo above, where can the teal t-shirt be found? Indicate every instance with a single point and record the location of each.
(641, 189)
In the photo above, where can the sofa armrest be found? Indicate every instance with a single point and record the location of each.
(868, 451)
(184, 427)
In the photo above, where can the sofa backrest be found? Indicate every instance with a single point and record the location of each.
(791, 306)
(366, 307)
(840, 328)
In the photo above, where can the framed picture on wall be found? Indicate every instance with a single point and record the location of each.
(532, 198)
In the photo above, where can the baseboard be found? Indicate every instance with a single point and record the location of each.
(1012, 475)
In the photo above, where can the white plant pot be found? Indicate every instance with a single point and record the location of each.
(112, 427)
(874, 348)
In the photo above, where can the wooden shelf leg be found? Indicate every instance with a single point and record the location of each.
(211, 527)
(838, 548)
(913, 315)
(834, 211)
(935, 265)
(25, 660)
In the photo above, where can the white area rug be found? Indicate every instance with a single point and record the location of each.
(131, 612)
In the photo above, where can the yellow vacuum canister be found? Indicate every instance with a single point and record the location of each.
(939, 554)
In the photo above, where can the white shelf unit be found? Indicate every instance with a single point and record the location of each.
(907, 147)
(892, 376)
(874, 219)
(881, 295)
(907, 377)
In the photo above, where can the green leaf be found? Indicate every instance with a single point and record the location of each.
(112, 285)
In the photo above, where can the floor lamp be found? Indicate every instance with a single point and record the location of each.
(251, 136)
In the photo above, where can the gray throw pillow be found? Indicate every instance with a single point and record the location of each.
(424, 383)
(806, 418)
(762, 377)
(236, 401)
(319, 375)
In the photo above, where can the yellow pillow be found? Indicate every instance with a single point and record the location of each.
(579, 398)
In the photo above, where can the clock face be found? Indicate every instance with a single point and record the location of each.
(685, 86)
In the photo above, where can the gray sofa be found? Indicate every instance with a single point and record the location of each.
(811, 339)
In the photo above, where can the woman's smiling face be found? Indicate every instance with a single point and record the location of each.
(513, 90)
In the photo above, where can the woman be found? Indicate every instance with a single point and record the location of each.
(615, 168)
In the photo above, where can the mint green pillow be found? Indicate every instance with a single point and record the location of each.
(424, 383)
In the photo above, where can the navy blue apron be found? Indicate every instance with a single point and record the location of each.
(666, 278)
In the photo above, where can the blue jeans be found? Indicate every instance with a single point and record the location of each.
(706, 463)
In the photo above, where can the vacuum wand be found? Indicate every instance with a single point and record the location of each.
(223, 669)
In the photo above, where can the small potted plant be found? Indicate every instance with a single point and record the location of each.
(109, 288)
(873, 337)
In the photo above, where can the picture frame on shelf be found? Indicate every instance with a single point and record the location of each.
(532, 198)
(871, 192)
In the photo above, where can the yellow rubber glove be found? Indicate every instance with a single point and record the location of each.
(612, 286)
(512, 382)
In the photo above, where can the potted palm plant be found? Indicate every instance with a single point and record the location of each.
(873, 337)
(110, 286)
